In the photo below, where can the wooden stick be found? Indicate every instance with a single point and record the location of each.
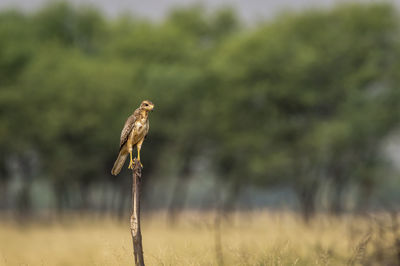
(135, 217)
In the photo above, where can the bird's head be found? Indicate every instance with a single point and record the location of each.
(147, 105)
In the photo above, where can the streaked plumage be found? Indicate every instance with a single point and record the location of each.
(135, 130)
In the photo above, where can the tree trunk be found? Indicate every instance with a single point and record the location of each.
(61, 197)
(24, 200)
(336, 206)
(122, 199)
(179, 193)
(229, 204)
(307, 196)
(4, 187)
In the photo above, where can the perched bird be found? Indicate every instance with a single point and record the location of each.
(135, 130)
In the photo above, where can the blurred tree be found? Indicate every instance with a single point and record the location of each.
(295, 102)
(308, 94)
(83, 28)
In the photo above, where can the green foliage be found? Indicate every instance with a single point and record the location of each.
(302, 98)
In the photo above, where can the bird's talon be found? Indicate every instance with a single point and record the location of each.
(131, 164)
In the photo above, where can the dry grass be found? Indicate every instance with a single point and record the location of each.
(257, 238)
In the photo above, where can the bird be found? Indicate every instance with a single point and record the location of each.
(134, 132)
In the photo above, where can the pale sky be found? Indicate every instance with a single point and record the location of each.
(249, 10)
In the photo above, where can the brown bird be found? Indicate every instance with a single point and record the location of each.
(135, 130)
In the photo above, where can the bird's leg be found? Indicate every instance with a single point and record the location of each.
(131, 162)
(139, 146)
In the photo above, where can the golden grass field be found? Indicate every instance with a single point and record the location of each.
(254, 238)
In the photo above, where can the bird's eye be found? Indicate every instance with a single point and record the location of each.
(146, 104)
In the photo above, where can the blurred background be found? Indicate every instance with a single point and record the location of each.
(289, 106)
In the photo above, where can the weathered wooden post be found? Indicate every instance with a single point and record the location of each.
(135, 216)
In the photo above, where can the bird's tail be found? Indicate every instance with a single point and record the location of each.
(119, 163)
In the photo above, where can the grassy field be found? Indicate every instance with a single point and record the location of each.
(256, 238)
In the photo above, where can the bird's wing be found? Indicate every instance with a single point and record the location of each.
(129, 124)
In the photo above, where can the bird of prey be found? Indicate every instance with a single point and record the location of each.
(135, 130)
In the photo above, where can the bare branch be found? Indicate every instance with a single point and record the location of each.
(135, 217)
